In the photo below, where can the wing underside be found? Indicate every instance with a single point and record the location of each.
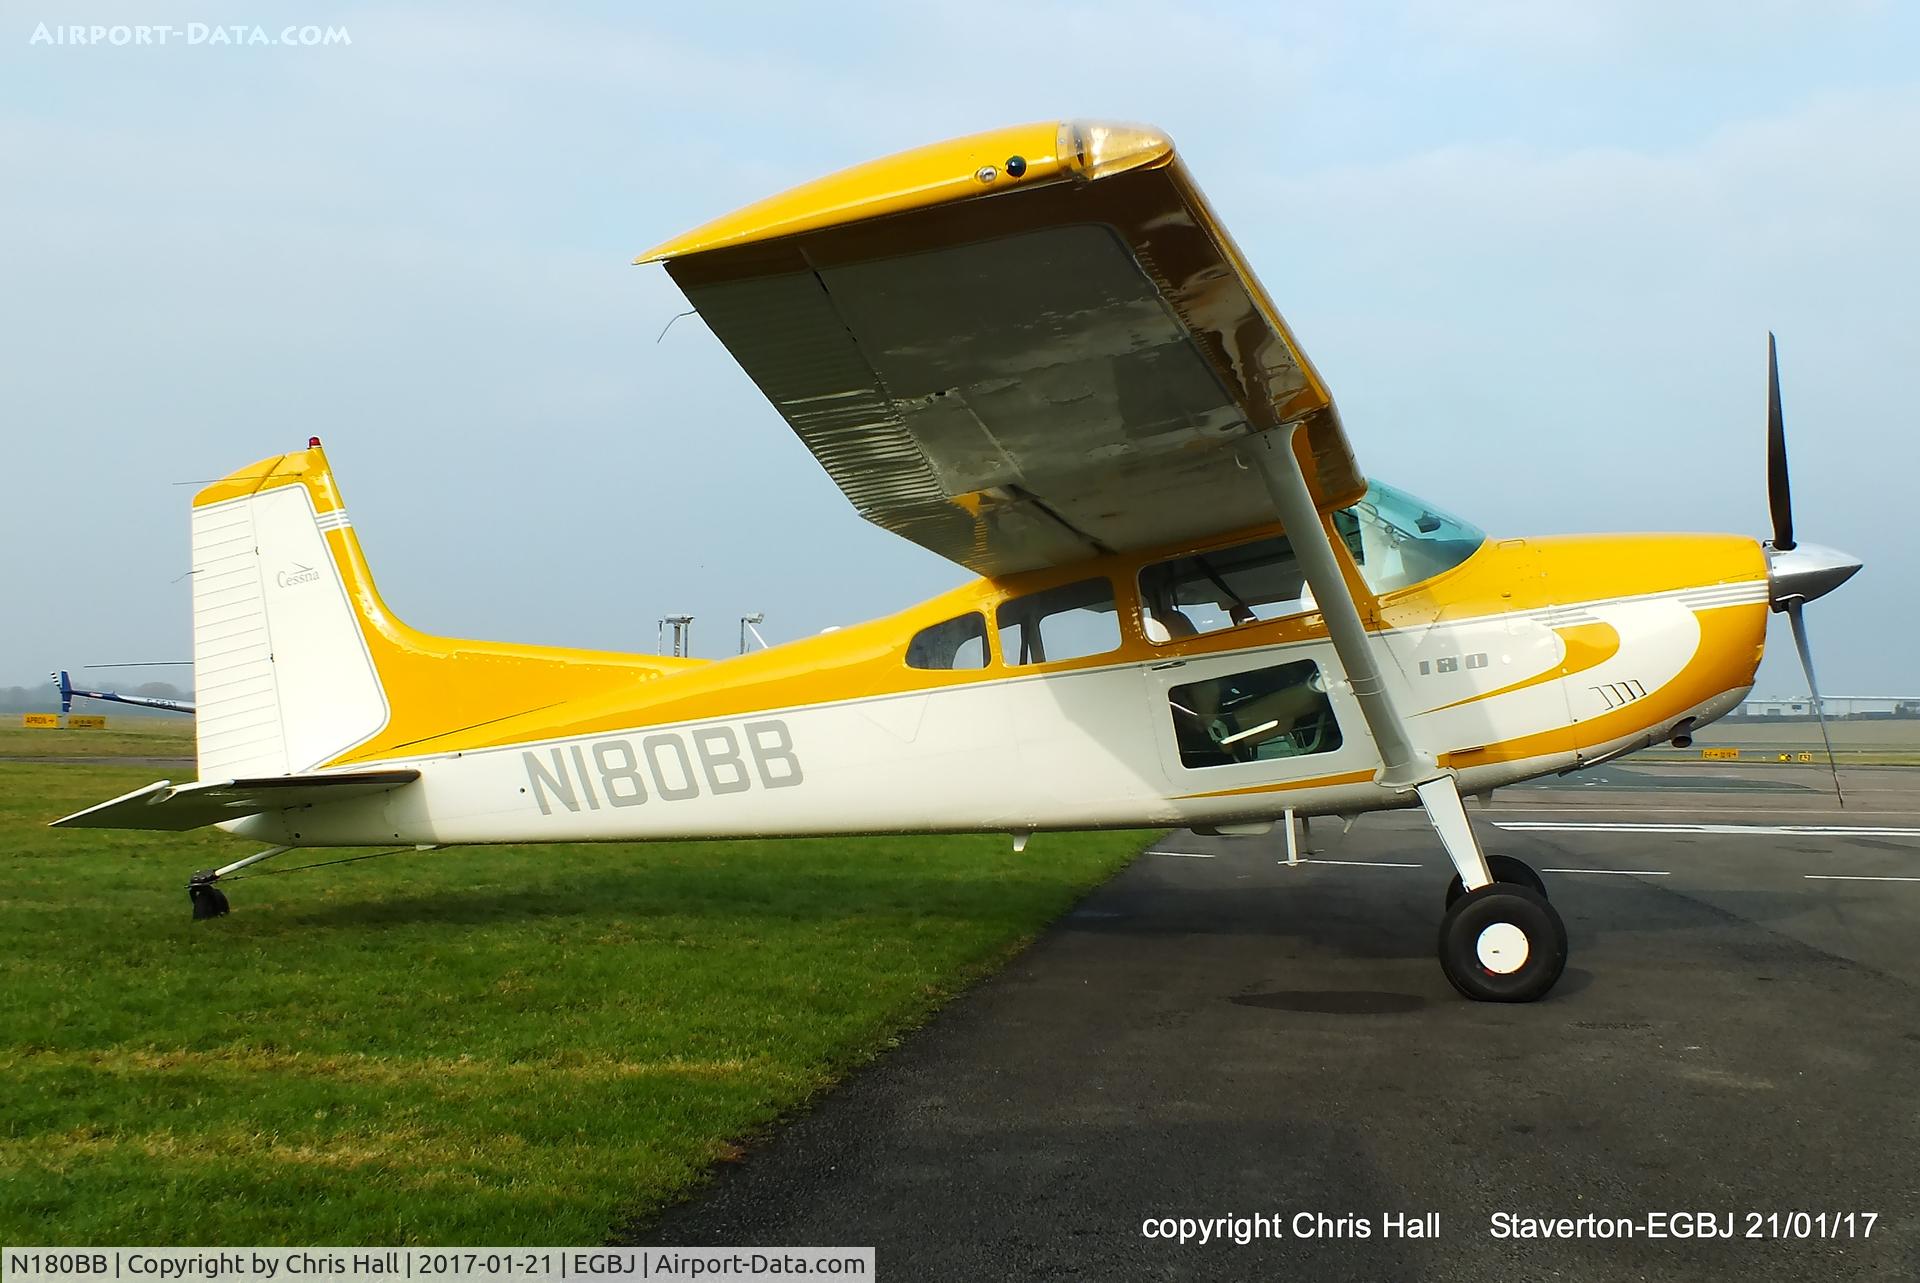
(1024, 378)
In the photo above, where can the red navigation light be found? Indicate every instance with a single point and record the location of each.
(313, 443)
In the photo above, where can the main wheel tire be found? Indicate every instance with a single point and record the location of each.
(1504, 869)
(1502, 943)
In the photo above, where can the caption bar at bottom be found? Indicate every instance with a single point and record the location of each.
(434, 1265)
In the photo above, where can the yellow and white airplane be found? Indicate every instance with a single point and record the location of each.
(1036, 352)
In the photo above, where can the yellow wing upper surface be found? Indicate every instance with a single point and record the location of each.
(1017, 349)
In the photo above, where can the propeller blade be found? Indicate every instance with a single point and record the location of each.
(1799, 622)
(1779, 493)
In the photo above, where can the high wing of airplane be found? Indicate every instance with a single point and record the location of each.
(1036, 352)
(1022, 362)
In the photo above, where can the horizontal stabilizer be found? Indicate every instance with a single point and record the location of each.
(164, 806)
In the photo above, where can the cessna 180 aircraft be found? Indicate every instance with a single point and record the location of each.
(1036, 352)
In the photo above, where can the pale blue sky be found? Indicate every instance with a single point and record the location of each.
(1535, 248)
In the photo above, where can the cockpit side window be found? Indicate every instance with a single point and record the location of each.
(1069, 622)
(1248, 583)
(1396, 541)
(960, 642)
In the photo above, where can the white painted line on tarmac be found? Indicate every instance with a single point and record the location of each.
(1189, 855)
(1548, 808)
(1853, 877)
(1625, 873)
(1362, 864)
(1725, 830)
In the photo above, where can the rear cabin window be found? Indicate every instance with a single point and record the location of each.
(1249, 583)
(960, 642)
(1068, 622)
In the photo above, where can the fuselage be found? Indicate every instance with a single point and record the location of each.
(1189, 685)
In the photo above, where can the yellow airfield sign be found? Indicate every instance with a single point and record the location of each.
(1720, 754)
(41, 721)
(86, 722)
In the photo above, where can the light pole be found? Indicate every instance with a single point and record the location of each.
(747, 623)
(682, 633)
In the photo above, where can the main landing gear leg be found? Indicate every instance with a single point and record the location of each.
(1500, 940)
(209, 901)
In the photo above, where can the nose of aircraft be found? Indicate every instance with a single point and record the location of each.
(1806, 571)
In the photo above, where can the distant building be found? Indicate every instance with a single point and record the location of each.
(1835, 705)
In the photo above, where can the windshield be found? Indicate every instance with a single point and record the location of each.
(1398, 540)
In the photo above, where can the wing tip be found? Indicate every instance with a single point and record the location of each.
(147, 795)
(957, 169)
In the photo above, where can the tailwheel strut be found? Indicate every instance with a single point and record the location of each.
(209, 901)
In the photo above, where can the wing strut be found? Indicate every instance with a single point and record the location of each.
(1403, 764)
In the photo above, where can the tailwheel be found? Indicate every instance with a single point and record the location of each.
(1502, 943)
(209, 901)
(1504, 868)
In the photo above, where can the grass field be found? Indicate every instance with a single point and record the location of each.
(152, 736)
(509, 1045)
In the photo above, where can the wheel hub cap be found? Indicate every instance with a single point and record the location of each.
(1502, 948)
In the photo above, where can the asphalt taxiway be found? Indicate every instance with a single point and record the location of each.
(1215, 1035)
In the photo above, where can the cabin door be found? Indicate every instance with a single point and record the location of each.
(1256, 719)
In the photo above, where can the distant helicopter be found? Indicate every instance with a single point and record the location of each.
(68, 692)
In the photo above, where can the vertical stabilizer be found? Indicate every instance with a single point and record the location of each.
(282, 670)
